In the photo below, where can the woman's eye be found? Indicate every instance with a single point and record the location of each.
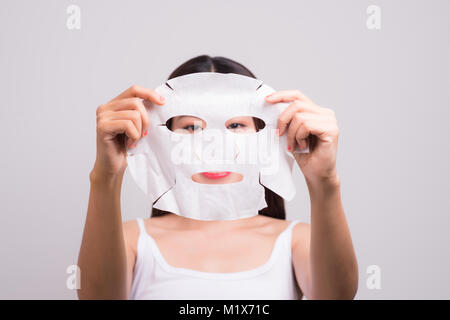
(236, 126)
(192, 128)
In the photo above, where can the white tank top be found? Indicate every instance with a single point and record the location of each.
(154, 278)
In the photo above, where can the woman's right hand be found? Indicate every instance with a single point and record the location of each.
(121, 122)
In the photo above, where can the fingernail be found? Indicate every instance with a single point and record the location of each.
(161, 98)
(277, 131)
(289, 148)
(145, 133)
(269, 97)
(134, 145)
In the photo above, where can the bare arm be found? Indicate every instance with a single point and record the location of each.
(323, 255)
(333, 265)
(102, 257)
(107, 252)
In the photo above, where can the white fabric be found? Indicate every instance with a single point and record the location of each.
(155, 279)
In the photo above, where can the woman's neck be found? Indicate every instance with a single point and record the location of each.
(211, 225)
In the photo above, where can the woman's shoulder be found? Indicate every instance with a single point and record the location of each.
(301, 234)
(130, 231)
(300, 231)
(273, 227)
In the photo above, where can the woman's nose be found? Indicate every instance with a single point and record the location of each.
(217, 147)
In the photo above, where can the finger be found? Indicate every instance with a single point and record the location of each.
(132, 115)
(320, 128)
(137, 91)
(301, 135)
(121, 126)
(131, 104)
(305, 121)
(294, 125)
(297, 106)
(287, 96)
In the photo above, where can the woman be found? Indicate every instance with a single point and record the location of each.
(200, 259)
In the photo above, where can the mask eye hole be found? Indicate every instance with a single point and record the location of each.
(245, 124)
(185, 124)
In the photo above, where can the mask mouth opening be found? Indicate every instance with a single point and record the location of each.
(217, 177)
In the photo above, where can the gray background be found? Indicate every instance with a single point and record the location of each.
(389, 89)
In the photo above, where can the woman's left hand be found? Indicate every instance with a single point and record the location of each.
(305, 122)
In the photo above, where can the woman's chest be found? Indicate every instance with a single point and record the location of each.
(226, 253)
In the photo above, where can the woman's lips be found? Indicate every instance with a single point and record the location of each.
(215, 175)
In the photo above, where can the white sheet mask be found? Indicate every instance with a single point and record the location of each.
(163, 162)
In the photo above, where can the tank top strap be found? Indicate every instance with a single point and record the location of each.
(141, 225)
(289, 228)
(288, 237)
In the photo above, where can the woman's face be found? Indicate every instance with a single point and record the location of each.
(190, 125)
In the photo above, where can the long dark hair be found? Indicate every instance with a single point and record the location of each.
(205, 63)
